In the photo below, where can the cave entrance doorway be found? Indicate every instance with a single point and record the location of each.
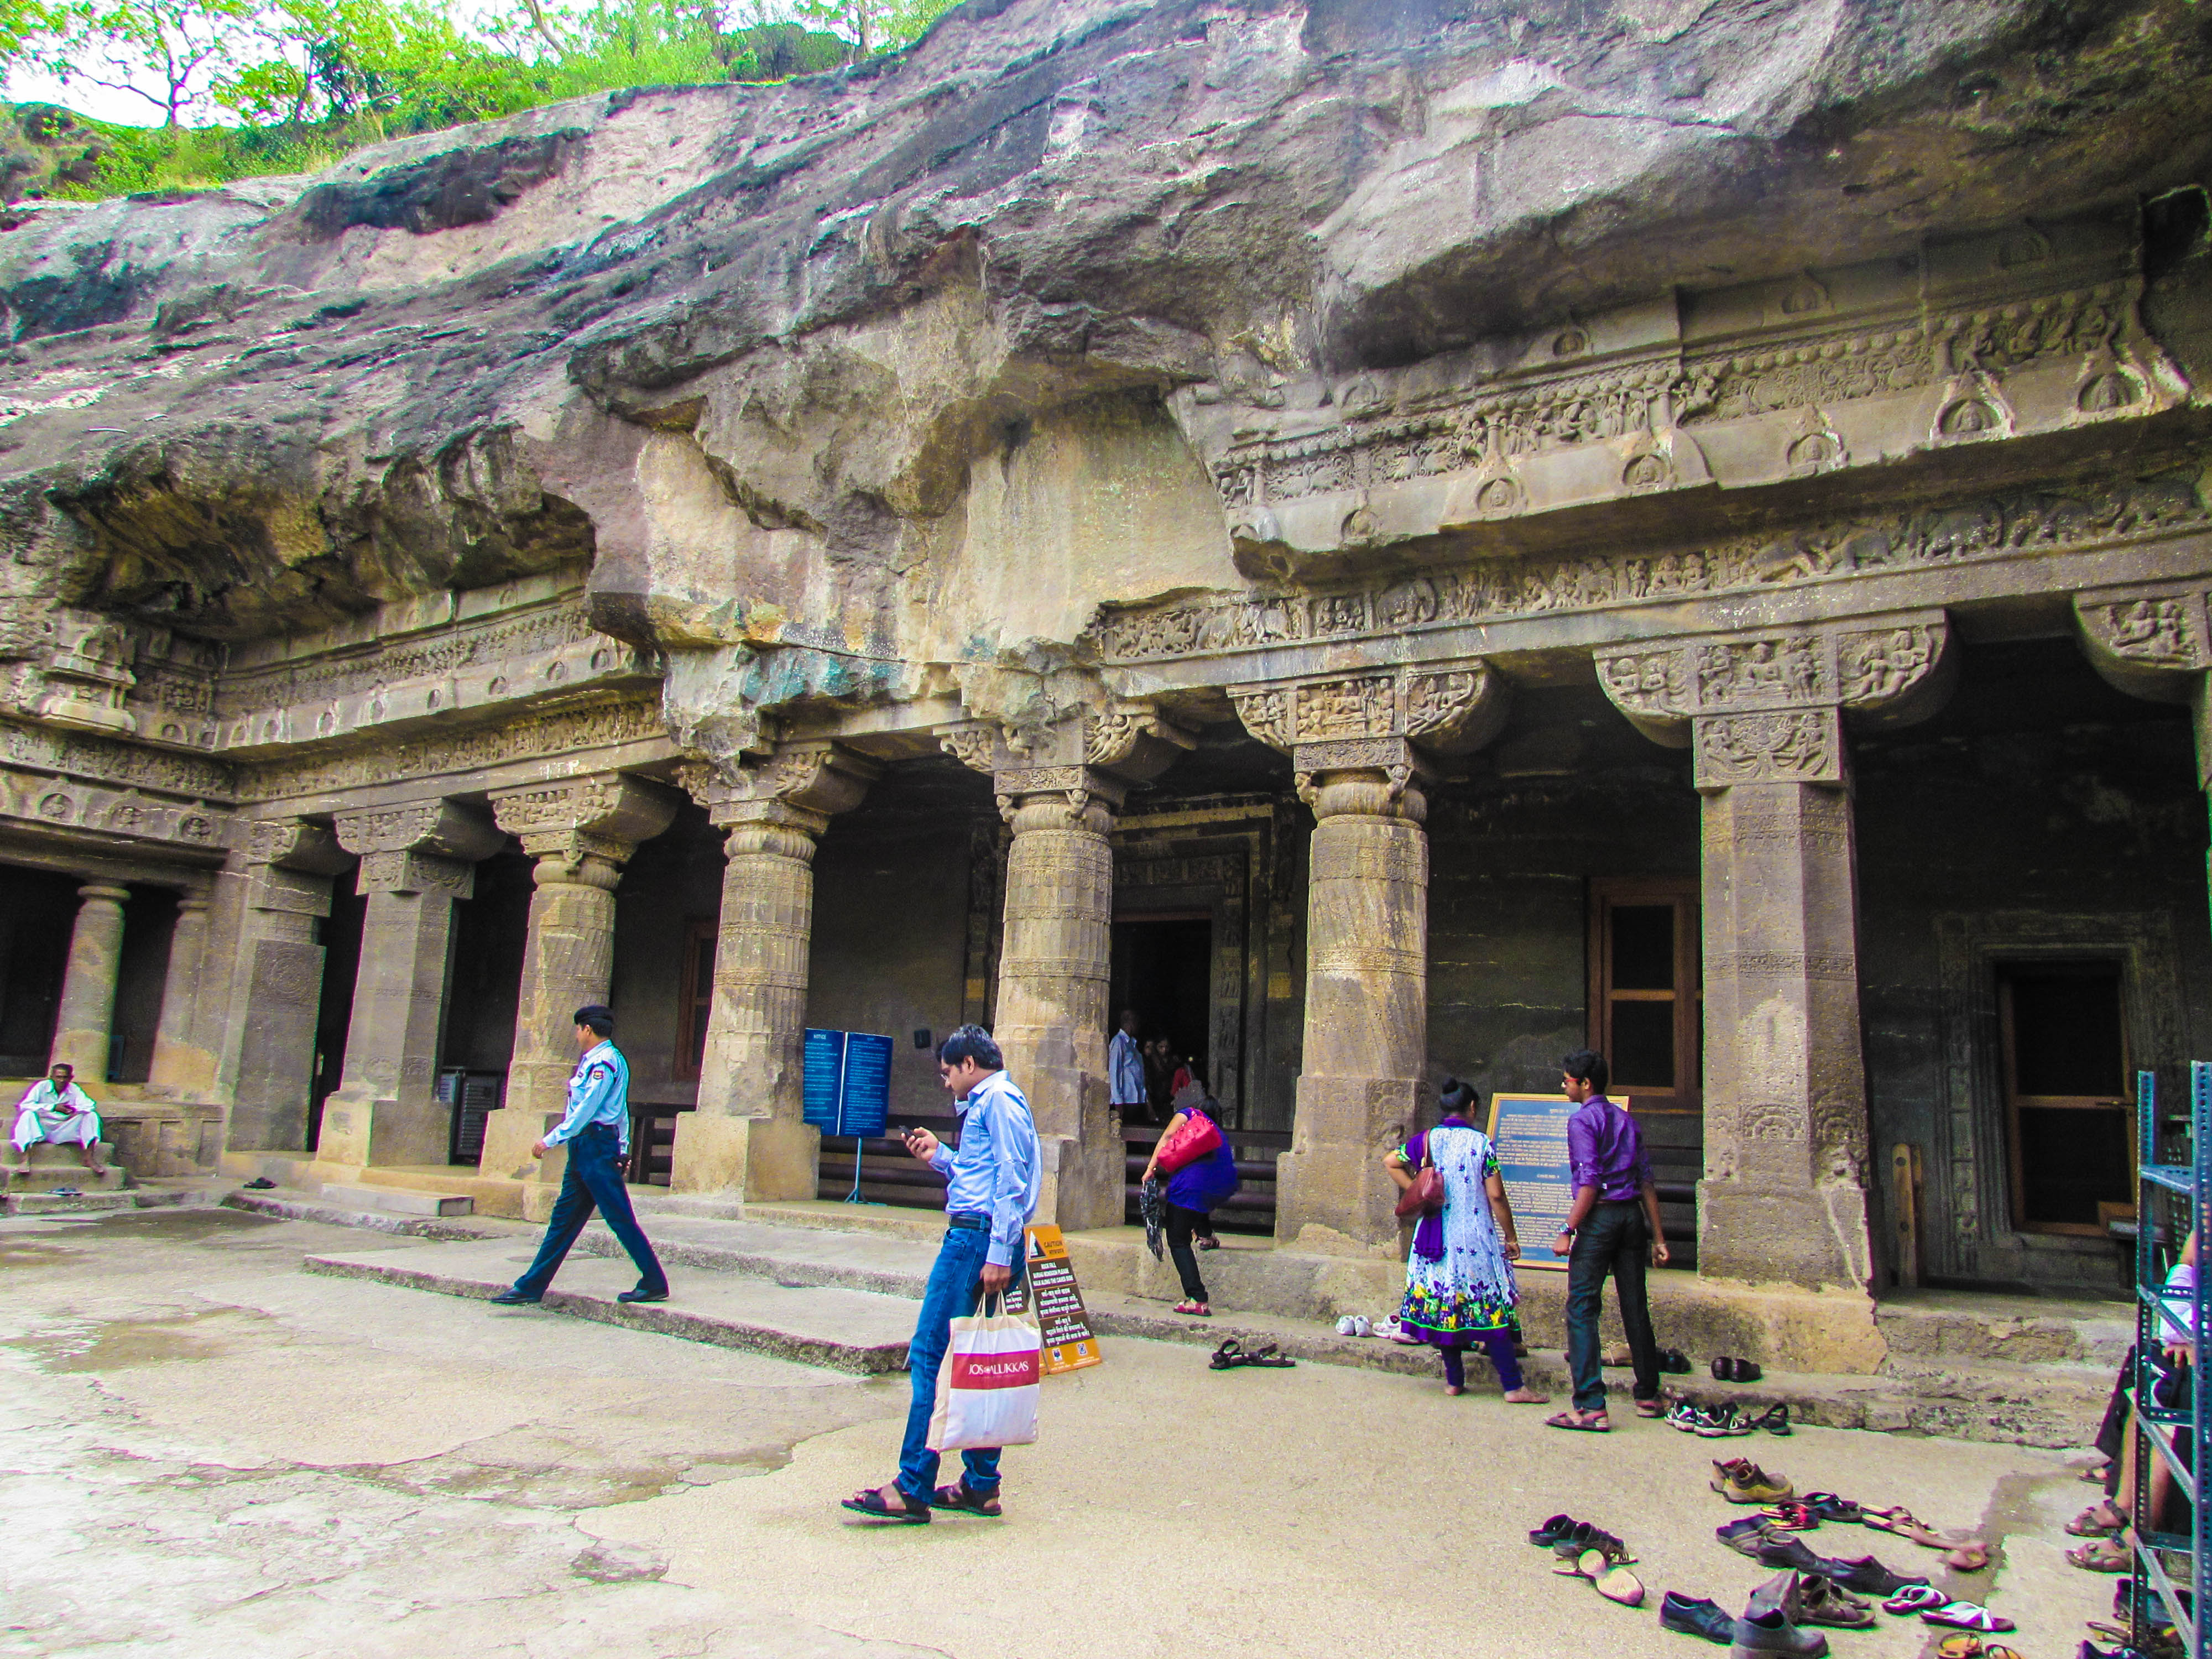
(1162, 966)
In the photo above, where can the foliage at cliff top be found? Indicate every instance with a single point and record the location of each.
(242, 88)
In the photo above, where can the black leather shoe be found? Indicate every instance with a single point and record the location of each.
(514, 1298)
(640, 1295)
(1694, 1616)
(1672, 1362)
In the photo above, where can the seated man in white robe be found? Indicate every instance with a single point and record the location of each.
(55, 1109)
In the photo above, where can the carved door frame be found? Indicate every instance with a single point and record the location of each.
(1971, 1212)
(1215, 883)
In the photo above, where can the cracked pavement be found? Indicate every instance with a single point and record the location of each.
(205, 1451)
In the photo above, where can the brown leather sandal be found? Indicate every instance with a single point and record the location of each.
(965, 1499)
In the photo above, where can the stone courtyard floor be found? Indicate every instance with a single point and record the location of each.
(205, 1451)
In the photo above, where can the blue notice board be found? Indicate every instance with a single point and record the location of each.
(847, 1082)
(1530, 1132)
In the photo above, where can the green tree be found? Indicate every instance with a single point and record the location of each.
(169, 53)
(873, 26)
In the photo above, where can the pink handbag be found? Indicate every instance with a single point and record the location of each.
(1194, 1140)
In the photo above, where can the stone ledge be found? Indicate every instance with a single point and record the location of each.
(1794, 1330)
(378, 1221)
(842, 1330)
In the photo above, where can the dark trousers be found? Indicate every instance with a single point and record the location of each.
(1498, 1345)
(1614, 1240)
(594, 1178)
(1180, 1224)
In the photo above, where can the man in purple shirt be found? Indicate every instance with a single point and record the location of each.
(1614, 1220)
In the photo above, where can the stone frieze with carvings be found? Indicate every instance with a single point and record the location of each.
(2017, 525)
(2002, 335)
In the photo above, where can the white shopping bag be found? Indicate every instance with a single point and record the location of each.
(987, 1389)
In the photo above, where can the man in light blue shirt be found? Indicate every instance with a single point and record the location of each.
(992, 1183)
(596, 1131)
(1125, 1089)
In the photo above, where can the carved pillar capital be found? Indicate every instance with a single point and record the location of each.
(432, 828)
(1372, 777)
(1381, 722)
(584, 830)
(292, 844)
(802, 786)
(1122, 743)
(1058, 797)
(1766, 706)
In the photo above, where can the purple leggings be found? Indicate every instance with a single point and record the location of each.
(1498, 1345)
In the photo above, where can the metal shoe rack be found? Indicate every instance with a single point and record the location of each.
(2172, 1198)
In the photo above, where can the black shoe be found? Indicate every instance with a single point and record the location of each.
(1695, 1617)
(1865, 1575)
(1726, 1370)
(1674, 1361)
(512, 1297)
(642, 1296)
(1782, 1551)
(260, 1184)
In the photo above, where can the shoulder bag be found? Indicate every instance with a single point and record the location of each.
(1426, 1196)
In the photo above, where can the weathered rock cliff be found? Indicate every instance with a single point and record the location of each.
(884, 381)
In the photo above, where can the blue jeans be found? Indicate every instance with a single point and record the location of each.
(1613, 1241)
(594, 1177)
(952, 1293)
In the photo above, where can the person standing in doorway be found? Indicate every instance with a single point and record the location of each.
(1127, 1090)
(1613, 1223)
(596, 1131)
(993, 1182)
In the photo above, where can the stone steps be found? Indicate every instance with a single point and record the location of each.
(59, 1166)
(846, 1330)
(397, 1201)
(735, 1283)
(1934, 1329)
(287, 1204)
(2044, 1403)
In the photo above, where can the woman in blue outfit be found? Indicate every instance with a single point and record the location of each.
(1192, 1191)
(1459, 1290)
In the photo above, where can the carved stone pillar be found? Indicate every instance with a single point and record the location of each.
(289, 868)
(1352, 745)
(1059, 791)
(748, 1136)
(182, 1068)
(87, 1005)
(415, 862)
(581, 831)
(1783, 1197)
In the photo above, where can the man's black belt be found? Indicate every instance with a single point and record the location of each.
(968, 1218)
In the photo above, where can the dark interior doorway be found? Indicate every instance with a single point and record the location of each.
(38, 912)
(341, 965)
(1162, 968)
(2066, 1094)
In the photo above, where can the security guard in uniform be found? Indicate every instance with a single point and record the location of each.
(596, 1131)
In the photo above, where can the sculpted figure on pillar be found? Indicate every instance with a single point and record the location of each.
(581, 831)
(1357, 746)
(748, 1138)
(1059, 787)
(1783, 1197)
(415, 861)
